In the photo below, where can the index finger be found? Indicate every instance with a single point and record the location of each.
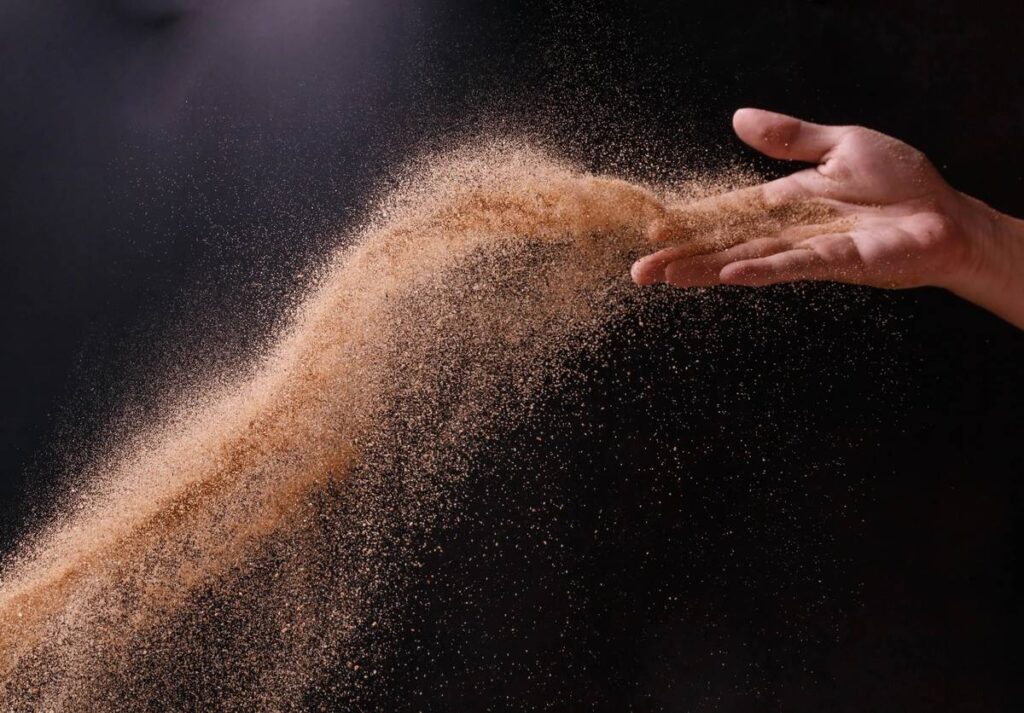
(727, 219)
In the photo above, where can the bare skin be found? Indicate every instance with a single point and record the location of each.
(905, 226)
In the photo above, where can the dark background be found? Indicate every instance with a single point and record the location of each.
(169, 168)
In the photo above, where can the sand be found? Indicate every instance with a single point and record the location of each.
(246, 549)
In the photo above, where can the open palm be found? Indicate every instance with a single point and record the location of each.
(899, 224)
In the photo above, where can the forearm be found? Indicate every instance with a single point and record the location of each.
(994, 276)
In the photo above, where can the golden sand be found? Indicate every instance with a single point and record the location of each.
(234, 554)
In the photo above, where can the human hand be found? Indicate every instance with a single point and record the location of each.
(901, 224)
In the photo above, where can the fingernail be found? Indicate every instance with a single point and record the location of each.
(736, 276)
(645, 276)
(634, 272)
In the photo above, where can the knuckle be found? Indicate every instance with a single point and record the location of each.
(835, 250)
(913, 158)
(855, 136)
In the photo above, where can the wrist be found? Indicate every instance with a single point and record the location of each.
(990, 272)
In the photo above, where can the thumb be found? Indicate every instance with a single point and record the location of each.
(781, 136)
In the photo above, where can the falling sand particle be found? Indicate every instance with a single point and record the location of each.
(239, 554)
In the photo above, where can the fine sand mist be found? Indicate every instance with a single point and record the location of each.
(243, 553)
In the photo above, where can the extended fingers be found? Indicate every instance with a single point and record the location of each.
(678, 266)
(826, 257)
(786, 137)
(701, 217)
(740, 211)
(788, 266)
(709, 229)
(757, 262)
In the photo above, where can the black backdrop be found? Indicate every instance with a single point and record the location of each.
(173, 164)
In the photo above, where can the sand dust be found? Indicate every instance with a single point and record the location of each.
(244, 552)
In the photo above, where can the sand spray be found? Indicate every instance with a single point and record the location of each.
(245, 550)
